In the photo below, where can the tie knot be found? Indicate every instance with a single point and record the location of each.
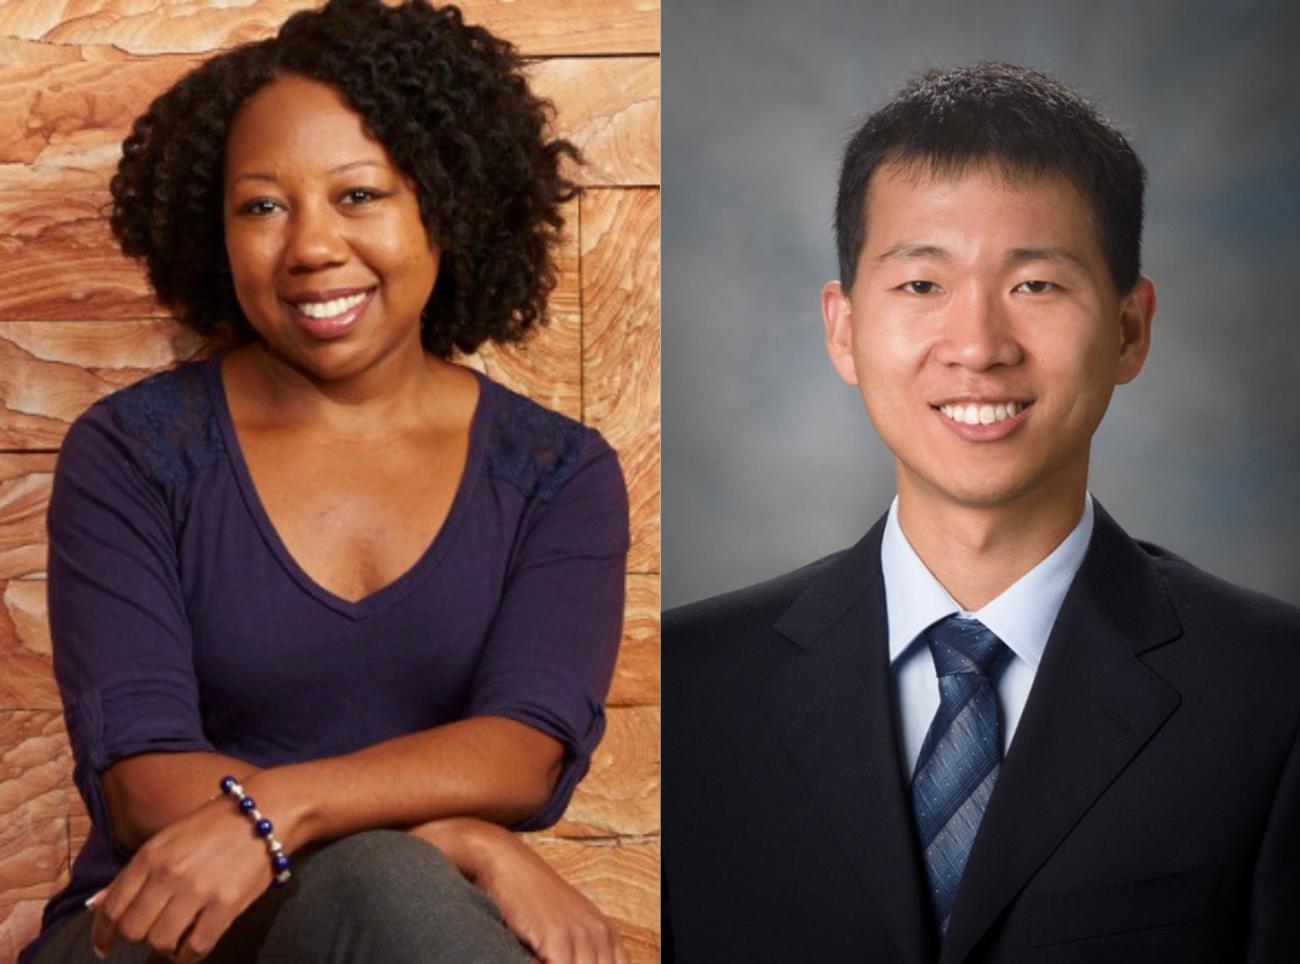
(961, 645)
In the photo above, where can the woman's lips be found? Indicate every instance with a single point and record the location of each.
(329, 319)
(992, 420)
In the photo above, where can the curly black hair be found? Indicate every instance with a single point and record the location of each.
(450, 104)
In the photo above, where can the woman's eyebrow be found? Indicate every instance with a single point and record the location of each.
(350, 165)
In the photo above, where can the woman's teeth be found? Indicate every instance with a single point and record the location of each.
(328, 309)
(985, 414)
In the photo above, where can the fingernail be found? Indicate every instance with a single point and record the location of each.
(93, 900)
(102, 955)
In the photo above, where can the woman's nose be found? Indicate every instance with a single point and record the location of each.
(315, 240)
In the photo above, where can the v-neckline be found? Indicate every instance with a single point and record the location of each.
(395, 590)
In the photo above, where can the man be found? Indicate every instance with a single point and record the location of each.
(997, 728)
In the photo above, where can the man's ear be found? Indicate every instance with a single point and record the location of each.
(837, 318)
(1136, 310)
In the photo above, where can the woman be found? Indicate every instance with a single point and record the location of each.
(327, 581)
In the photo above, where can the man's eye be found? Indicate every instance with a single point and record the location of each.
(920, 287)
(1035, 287)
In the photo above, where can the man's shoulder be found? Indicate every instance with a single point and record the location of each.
(1204, 601)
(736, 617)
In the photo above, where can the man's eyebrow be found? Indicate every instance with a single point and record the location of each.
(1057, 255)
(910, 250)
(350, 165)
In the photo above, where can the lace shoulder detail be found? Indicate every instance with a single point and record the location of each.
(169, 416)
(533, 448)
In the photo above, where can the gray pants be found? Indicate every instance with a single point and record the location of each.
(378, 896)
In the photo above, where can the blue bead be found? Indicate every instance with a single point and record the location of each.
(247, 805)
(227, 784)
(262, 827)
(279, 862)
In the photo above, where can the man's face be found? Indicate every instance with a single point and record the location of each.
(984, 332)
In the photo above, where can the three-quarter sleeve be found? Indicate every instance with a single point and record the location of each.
(550, 653)
(122, 645)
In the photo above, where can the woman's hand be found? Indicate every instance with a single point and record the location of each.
(183, 888)
(548, 915)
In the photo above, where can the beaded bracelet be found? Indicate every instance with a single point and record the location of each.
(262, 827)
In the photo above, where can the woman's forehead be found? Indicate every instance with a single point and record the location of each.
(298, 122)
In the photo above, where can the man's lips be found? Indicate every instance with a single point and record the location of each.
(983, 420)
(982, 411)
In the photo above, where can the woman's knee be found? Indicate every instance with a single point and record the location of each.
(381, 863)
(386, 895)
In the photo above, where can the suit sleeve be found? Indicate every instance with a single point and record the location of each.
(551, 649)
(121, 637)
(1275, 891)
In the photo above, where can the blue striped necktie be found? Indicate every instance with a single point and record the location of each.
(961, 754)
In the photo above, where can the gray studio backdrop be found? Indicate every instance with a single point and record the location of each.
(768, 459)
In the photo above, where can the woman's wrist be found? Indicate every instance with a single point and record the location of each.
(287, 804)
(466, 841)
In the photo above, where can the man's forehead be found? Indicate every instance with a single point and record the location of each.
(1053, 194)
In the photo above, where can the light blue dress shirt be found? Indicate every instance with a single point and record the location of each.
(1022, 617)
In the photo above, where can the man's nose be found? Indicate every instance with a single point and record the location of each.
(978, 332)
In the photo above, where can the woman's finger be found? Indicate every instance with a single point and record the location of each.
(171, 925)
(116, 900)
(211, 923)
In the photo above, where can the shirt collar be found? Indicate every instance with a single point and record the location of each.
(1022, 616)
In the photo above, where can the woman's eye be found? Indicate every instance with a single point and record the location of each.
(259, 207)
(1035, 287)
(920, 287)
(360, 195)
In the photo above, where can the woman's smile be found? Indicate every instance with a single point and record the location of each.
(329, 314)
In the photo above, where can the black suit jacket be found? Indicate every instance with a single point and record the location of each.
(1148, 809)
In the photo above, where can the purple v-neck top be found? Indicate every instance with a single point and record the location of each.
(180, 621)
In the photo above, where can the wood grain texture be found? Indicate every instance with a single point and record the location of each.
(610, 109)
(620, 795)
(636, 677)
(26, 674)
(34, 766)
(51, 372)
(24, 497)
(538, 27)
(60, 261)
(621, 878)
(620, 347)
(20, 921)
(62, 124)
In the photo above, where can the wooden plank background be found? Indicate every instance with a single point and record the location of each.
(77, 321)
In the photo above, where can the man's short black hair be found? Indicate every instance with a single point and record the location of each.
(1022, 120)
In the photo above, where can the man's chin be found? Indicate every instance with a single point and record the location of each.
(982, 491)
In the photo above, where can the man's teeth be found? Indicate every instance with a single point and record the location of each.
(985, 414)
(328, 309)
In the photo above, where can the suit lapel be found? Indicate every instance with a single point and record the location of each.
(1093, 706)
(833, 708)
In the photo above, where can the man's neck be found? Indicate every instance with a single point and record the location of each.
(976, 552)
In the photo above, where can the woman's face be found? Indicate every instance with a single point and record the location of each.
(331, 262)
